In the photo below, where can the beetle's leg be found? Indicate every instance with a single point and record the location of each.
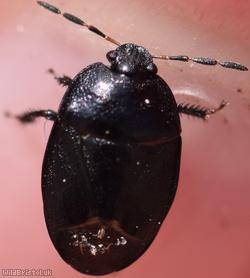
(29, 117)
(61, 80)
(204, 61)
(199, 111)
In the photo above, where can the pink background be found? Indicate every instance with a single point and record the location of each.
(207, 232)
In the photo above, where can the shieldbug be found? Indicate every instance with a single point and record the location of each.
(111, 167)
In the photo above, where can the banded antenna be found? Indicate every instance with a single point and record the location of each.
(204, 61)
(78, 21)
(182, 58)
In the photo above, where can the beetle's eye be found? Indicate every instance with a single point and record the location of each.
(111, 55)
(152, 68)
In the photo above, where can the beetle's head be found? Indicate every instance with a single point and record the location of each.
(131, 59)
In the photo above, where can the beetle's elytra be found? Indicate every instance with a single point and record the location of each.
(111, 166)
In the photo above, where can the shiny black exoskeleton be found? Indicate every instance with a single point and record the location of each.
(111, 166)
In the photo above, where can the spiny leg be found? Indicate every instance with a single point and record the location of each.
(31, 116)
(199, 111)
(78, 21)
(204, 61)
(61, 80)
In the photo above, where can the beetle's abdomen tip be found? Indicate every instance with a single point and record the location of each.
(97, 247)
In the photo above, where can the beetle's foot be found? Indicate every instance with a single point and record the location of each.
(199, 111)
(61, 80)
(29, 117)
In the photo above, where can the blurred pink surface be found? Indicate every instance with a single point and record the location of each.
(206, 233)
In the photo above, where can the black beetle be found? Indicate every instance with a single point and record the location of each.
(111, 166)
